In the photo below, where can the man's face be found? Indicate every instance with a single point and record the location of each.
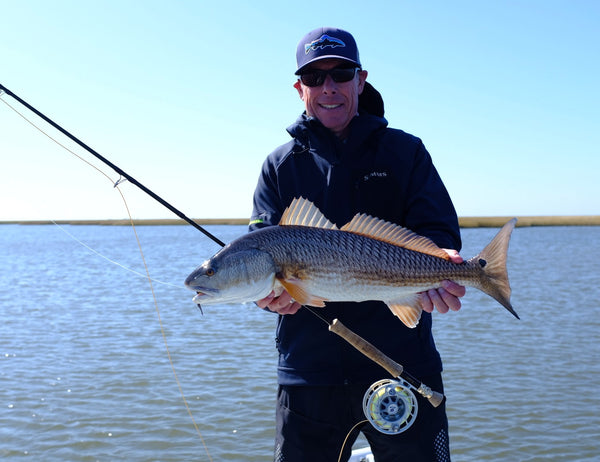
(333, 103)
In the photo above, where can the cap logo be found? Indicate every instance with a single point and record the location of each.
(323, 42)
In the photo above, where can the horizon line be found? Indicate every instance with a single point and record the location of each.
(464, 222)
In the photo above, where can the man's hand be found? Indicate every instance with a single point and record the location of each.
(446, 297)
(281, 303)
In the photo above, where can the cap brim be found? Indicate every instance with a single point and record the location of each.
(326, 57)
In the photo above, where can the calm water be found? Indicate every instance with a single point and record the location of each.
(84, 373)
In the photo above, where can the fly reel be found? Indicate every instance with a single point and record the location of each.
(390, 406)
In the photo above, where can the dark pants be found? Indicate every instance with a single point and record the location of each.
(312, 423)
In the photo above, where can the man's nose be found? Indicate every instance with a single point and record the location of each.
(329, 85)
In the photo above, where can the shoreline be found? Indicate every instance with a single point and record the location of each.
(464, 222)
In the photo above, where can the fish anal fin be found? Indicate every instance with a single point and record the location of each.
(296, 289)
(391, 233)
(407, 310)
(302, 212)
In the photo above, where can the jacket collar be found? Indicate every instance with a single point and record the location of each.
(314, 136)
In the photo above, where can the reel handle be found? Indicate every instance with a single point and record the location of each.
(395, 369)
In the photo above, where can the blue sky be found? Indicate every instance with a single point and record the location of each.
(189, 97)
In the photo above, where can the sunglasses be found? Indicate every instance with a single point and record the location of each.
(316, 77)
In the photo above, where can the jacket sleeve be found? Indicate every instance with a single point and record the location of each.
(266, 204)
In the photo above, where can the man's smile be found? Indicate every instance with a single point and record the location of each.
(330, 106)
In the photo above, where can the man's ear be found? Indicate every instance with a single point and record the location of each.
(298, 87)
(362, 78)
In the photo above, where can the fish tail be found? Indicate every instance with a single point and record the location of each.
(492, 260)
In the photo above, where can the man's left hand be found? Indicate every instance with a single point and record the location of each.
(446, 297)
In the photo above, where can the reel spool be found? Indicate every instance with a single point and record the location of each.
(390, 406)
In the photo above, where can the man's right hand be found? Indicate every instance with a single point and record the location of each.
(281, 303)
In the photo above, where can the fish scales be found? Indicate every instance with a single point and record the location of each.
(358, 257)
(349, 267)
(367, 259)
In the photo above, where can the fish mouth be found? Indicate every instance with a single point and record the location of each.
(198, 298)
(203, 294)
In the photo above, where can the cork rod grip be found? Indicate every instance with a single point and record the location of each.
(395, 369)
(366, 348)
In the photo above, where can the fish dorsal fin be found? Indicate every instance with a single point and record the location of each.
(302, 212)
(391, 233)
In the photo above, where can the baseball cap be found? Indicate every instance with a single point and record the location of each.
(326, 42)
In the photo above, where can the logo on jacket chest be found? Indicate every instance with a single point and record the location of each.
(375, 182)
(374, 175)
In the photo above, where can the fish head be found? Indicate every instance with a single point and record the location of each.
(233, 275)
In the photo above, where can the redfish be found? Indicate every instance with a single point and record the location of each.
(366, 259)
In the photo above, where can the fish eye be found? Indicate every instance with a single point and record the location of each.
(210, 272)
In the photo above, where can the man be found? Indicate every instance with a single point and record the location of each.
(345, 159)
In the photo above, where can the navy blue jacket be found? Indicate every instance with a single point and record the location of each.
(377, 170)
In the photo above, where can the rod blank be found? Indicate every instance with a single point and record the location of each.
(114, 167)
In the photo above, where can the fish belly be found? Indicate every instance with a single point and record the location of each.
(344, 289)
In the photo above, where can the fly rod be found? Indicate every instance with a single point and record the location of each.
(381, 393)
(113, 166)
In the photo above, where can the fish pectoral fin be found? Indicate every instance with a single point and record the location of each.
(408, 310)
(298, 291)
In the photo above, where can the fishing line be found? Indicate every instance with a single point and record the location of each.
(116, 186)
(362, 422)
(112, 261)
(317, 314)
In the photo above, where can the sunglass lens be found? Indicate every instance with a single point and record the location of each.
(316, 77)
(313, 78)
(342, 75)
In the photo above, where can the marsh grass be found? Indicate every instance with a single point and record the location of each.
(465, 222)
